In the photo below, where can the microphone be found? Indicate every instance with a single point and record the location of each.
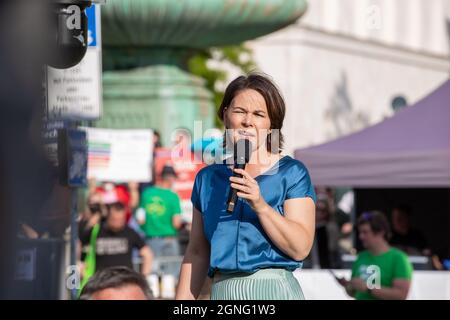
(242, 151)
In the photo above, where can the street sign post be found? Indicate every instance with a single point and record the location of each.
(76, 93)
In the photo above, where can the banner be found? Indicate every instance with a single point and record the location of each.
(120, 155)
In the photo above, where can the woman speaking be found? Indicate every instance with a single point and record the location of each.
(250, 253)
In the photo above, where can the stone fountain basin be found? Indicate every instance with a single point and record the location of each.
(194, 23)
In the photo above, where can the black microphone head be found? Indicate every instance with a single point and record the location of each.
(242, 151)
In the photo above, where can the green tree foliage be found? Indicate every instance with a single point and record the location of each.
(239, 57)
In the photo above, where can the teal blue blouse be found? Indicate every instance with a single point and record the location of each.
(238, 241)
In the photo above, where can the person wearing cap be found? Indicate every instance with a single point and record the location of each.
(112, 240)
(159, 215)
(122, 192)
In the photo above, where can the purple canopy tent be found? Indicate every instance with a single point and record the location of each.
(410, 149)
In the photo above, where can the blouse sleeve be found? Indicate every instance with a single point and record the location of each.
(299, 183)
(195, 196)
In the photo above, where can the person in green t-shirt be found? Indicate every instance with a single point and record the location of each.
(159, 216)
(380, 271)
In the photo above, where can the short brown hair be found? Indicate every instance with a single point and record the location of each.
(275, 103)
(377, 221)
(115, 277)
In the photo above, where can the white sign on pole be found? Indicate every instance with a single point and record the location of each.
(76, 93)
(120, 155)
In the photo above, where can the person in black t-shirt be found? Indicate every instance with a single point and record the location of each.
(115, 242)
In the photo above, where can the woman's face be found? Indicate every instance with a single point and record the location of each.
(247, 117)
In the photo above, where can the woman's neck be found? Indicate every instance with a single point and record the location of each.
(260, 161)
(260, 158)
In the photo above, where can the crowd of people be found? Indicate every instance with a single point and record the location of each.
(121, 224)
(122, 221)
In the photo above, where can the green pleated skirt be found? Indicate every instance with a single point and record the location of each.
(264, 284)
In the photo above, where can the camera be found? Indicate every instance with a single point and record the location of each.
(67, 38)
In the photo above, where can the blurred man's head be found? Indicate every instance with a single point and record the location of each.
(116, 219)
(400, 218)
(322, 209)
(156, 139)
(116, 283)
(168, 177)
(373, 229)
